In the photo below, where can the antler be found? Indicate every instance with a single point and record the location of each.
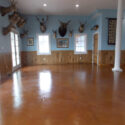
(60, 21)
(38, 19)
(46, 18)
(13, 2)
(68, 22)
(83, 23)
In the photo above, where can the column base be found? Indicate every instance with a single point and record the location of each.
(117, 70)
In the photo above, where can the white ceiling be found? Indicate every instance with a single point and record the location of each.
(64, 7)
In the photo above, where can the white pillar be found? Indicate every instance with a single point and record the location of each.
(118, 37)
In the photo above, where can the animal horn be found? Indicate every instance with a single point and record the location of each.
(60, 21)
(37, 18)
(68, 22)
(12, 1)
(46, 18)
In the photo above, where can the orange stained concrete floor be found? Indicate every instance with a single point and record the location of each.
(63, 95)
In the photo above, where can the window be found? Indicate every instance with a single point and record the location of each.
(43, 45)
(15, 49)
(80, 44)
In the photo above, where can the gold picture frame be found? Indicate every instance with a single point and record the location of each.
(62, 43)
(30, 41)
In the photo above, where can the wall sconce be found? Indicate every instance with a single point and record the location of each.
(24, 33)
(54, 33)
(95, 27)
(70, 33)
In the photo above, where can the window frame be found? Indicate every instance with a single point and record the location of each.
(38, 53)
(18, 65)
(78, 53)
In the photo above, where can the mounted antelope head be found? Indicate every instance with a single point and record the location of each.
(21, 22)
(6, 10)
(25, 33)
(82, 27)
(8, 29)
(95, 27)
(14, 18)
(54, 33)
(42, 24)
(70, 33)
(63, 28)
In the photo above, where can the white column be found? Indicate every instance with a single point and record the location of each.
(118, 37)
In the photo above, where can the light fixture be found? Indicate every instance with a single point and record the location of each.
(44, 4)
(77, 5)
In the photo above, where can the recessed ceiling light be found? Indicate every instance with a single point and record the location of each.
(44, 4)
(77, 5)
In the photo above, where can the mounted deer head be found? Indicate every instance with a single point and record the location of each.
(6, 10)
(63, 28)
(95, 27)
(21, 22)
(54, 33)
(42, 23)
(70, 33)
(25, 33)
(8, 29)
(82, 27)
(14, 18)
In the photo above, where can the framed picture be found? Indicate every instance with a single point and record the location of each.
(30, 41)
(112, 31)
(62, 43)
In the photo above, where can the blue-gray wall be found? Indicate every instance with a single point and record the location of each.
(98, 17)
(5, 45)
(4, 40)
(34, 28)
(104, 35)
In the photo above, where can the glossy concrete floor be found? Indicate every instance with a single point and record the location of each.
(63, 95)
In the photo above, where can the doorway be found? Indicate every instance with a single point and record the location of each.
(15, 50)
(95, 49)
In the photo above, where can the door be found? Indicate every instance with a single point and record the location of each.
(15, 50)
(95, 51)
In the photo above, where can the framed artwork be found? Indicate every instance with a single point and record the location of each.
(62, 43)
(112, 31)
(30, 41)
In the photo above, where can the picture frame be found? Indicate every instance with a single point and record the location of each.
(112, 31)
(30, 41)
(62, 42)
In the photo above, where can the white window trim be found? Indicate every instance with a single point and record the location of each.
(78, 53)
(38, 53)
(15, 32)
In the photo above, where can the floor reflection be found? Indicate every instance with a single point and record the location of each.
(47, 122)
(0, 114)
(76, 122)
(45, 84)
(116, 80)
(17, 89)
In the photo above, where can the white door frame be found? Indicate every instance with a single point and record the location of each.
(18, 66)
(93, 48)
